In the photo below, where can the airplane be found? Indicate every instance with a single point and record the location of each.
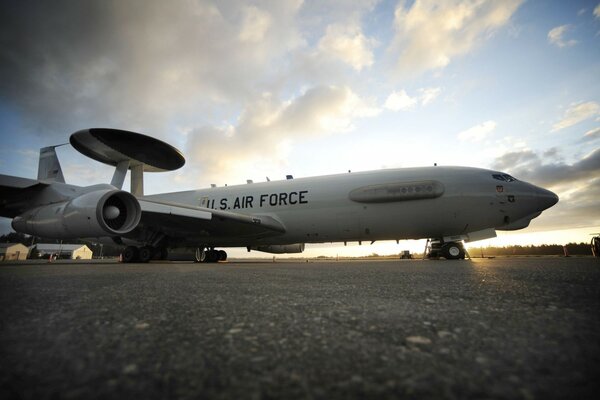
(449, 205)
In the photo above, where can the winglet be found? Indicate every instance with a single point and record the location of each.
(49, 166)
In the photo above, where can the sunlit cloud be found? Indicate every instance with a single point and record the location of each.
(592, 134)
(267, 126)
(429, 34)
(347, 43)
(478, 132)
(577, 113)
(556, 36)
(428, 95)
(401, 101)
(597, 11)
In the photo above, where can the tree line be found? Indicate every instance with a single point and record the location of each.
(573, 249)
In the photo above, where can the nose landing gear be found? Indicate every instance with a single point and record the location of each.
(436, 248)
(210, 255)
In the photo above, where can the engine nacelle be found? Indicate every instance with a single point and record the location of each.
(106, 212)
(279, 248)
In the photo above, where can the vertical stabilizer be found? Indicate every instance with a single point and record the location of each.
(49, 166)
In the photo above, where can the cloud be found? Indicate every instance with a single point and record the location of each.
(137, 64)
(592, 134)
(431, 33)
(255, 24)
(478, 132)
(428, 95)
(547, 170)
(597, 11)
(401, 101)
(555, 36)
(347, 43)
(398, 101)
(267, 126)
(577, 113)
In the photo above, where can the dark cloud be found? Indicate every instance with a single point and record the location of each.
(579, 207)
(546, 171)
(577, 185)
(67, 64)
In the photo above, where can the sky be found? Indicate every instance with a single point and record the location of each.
(256, 89)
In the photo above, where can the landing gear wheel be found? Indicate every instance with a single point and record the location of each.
(453, 251)
(222, 255)
(211, 256)
(146, 253)
(130, 254)
(163, 253)
(200, 255)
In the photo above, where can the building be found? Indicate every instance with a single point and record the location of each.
(72, 251)
(13, 251)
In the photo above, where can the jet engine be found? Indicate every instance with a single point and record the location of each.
(105, 212)
(279, 248)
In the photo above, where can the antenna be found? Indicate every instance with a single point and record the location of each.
(127, 150)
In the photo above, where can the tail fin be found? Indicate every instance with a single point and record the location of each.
(49, 166)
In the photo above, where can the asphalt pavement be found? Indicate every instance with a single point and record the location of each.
(504, 328)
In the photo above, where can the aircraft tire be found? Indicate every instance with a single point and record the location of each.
(453, 251)
(222, 255)
(146, 253)
(200, 255)
(163, 253)
(212, 256)
(130, 254)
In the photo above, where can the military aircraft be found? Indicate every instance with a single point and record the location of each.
(446, 204)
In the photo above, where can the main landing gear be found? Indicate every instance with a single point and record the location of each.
(210, 255)
(436, 248)
(146, 253)
(142, 254)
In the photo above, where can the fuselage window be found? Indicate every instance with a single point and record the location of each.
(508, 178)
(499, 177)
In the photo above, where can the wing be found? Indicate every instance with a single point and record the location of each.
(188, 224)
(16, 194)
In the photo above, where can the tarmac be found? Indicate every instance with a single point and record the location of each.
(504, 328)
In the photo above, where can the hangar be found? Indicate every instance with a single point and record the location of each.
(13, 251)
(71, 251)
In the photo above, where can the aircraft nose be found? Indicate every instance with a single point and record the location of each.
(545, 198)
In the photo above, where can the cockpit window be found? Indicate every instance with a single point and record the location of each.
(503, 177)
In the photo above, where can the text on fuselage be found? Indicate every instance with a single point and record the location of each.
(263, 200)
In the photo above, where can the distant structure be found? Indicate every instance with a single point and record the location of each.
(71, 251)
(596, 245)
(13, 251)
